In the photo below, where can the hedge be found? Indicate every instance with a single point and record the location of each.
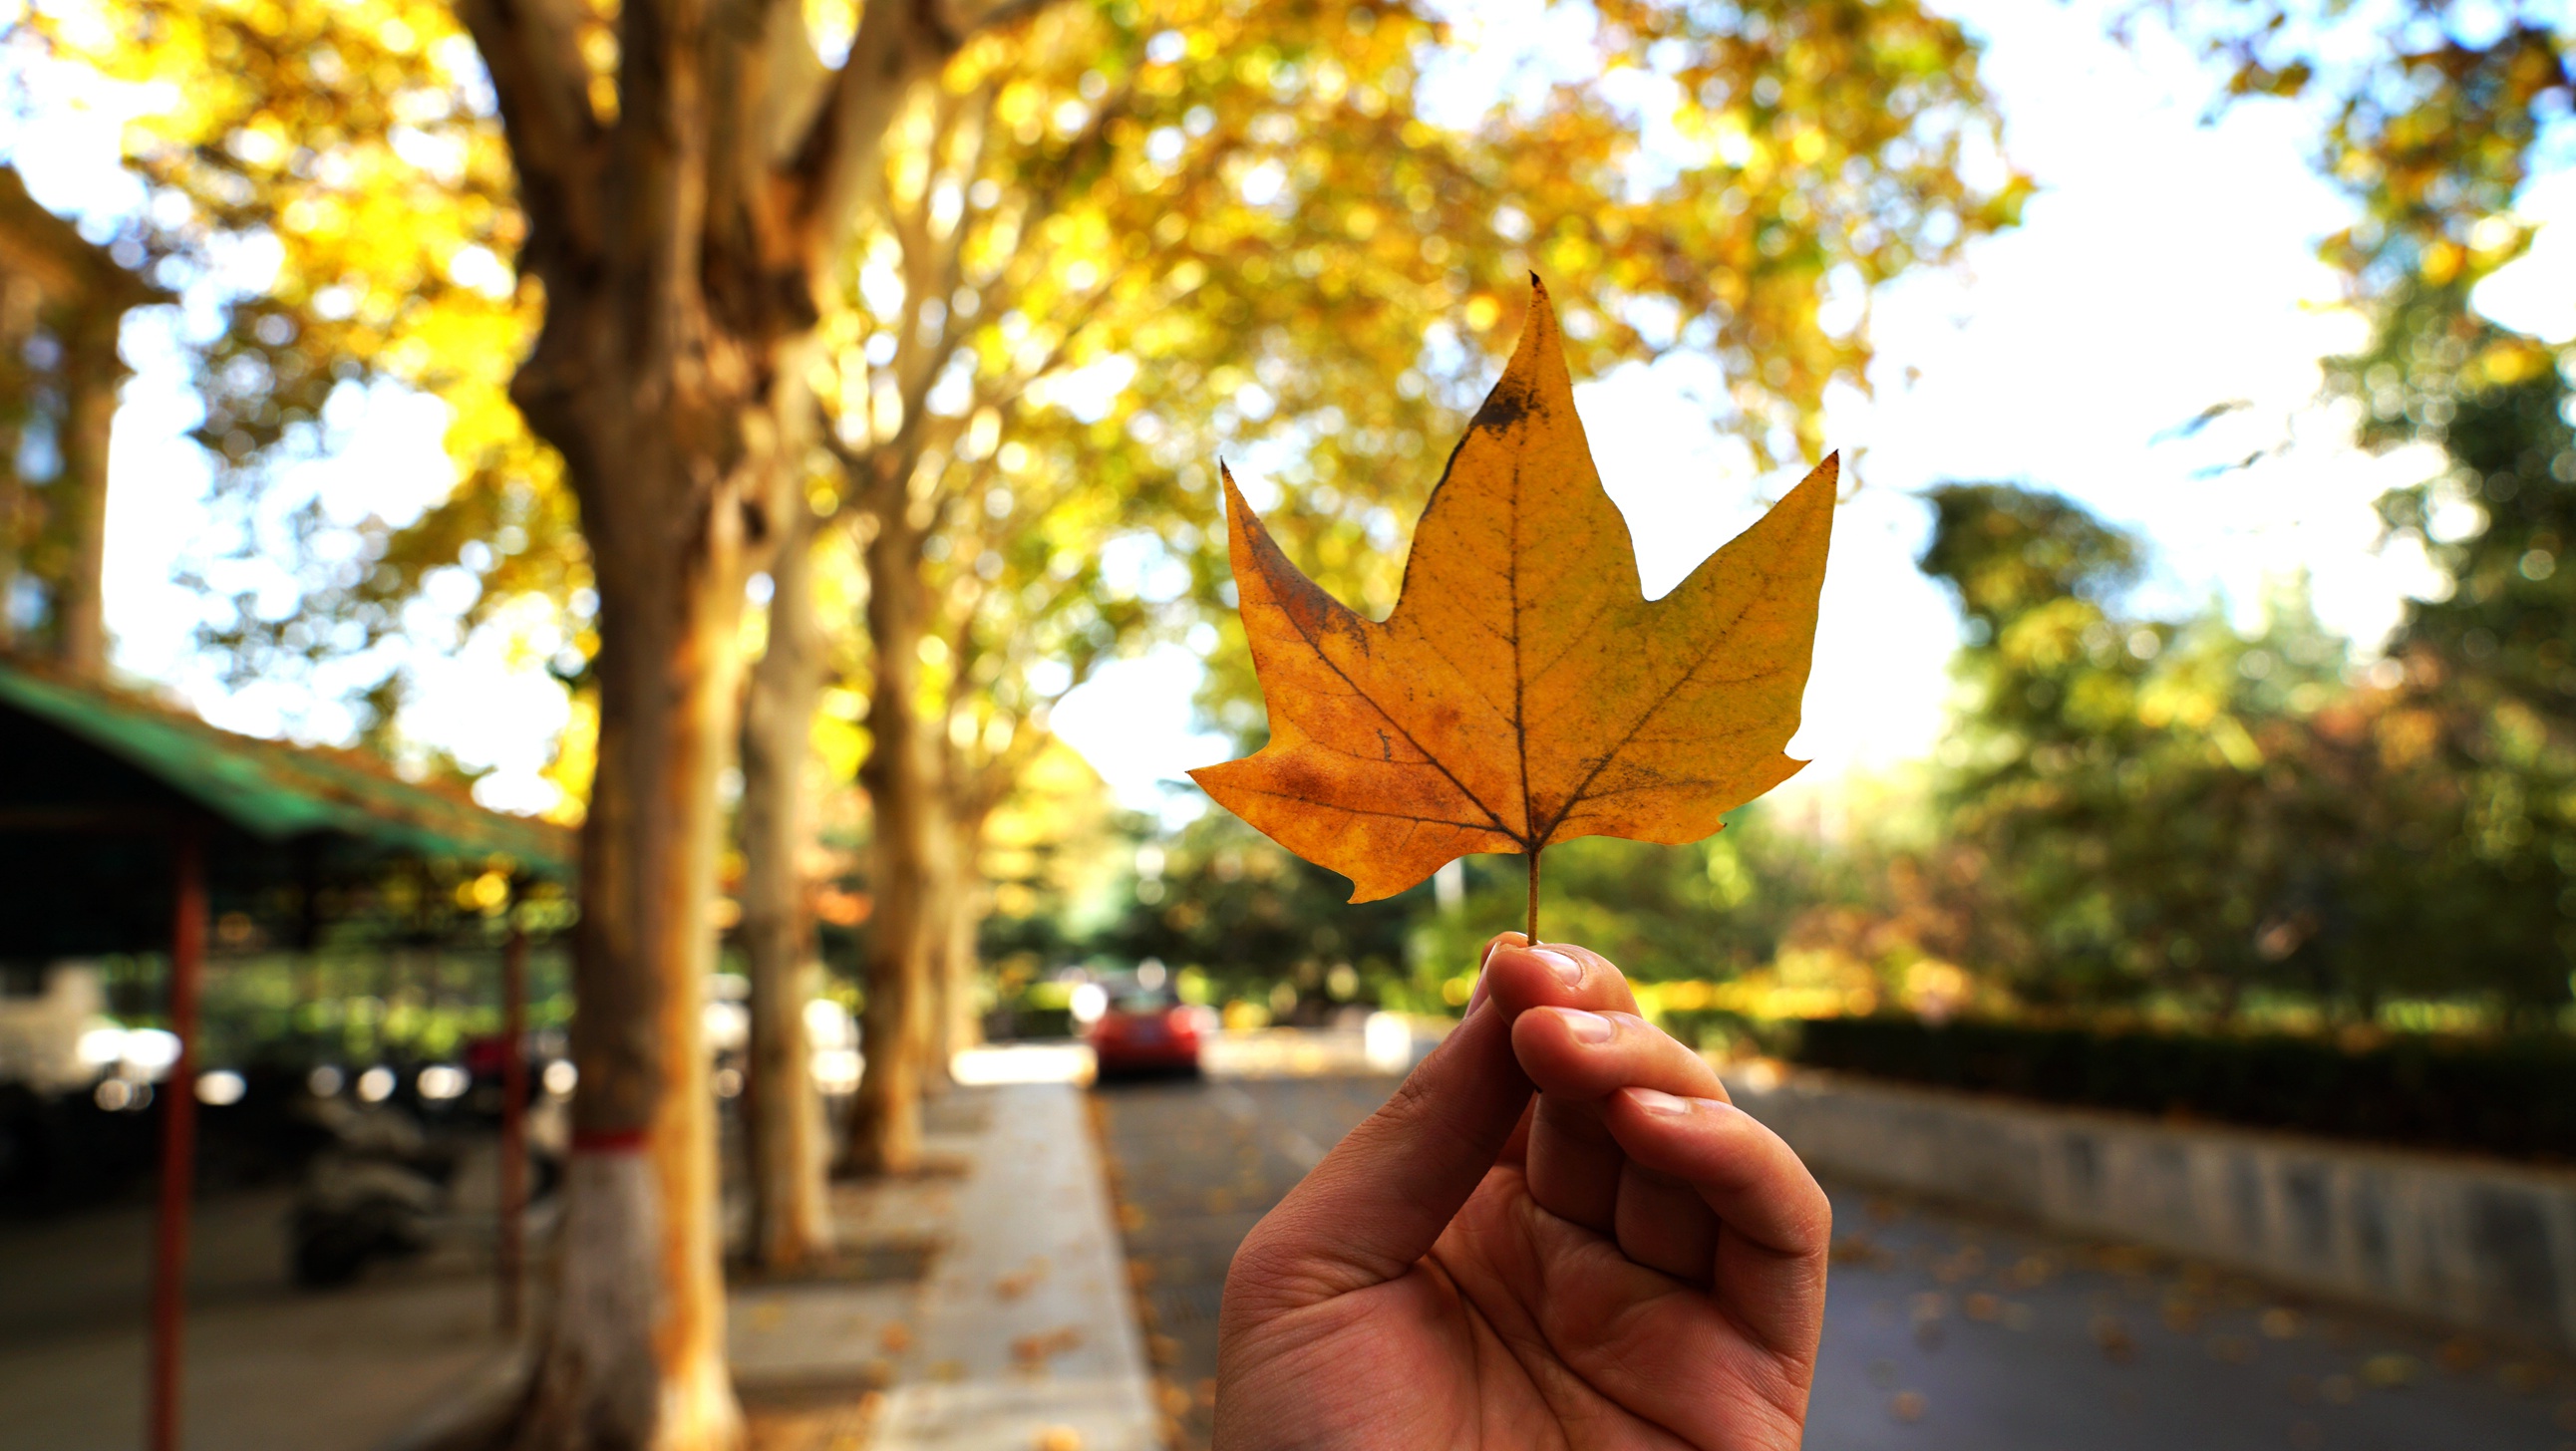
(2512, 1096)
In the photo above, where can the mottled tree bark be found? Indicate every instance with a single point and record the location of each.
(790, 1209)
(636, 1354)
(91, 372)
(681, 243)
(13, 520)
(885, 1121)
(959, 1026)
(949, 891)
(55, 280)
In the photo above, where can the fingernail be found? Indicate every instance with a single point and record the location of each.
(1655, 1101)
(1588, 1027)
(1567, 970)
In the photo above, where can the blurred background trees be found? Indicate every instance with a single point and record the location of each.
(1109, 243)
(63, 300)
(943, 317)
(2179, 817)
(1085, 250)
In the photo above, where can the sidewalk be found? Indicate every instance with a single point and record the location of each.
(269, 1367)
(1021, 1338)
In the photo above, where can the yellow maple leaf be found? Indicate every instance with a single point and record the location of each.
(1524, 691)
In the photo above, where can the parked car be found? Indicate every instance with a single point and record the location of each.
(1146, 1032)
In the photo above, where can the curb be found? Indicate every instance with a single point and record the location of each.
(1026, 1326)
(1022, 1335)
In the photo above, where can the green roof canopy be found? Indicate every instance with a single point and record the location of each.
(93, 781)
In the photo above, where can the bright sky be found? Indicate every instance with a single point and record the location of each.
(2165, 267)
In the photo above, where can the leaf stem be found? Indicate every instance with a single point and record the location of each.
(1533, 896)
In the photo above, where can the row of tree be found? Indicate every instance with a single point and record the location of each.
(870, 363)
(2179, 806)
(854, 375)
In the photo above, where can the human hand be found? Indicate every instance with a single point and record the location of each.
(1557, 1233)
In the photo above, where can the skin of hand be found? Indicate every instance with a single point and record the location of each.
(1557, 1233)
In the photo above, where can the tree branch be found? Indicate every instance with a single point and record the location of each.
(899, 42)
(760, 71)
(532, 52)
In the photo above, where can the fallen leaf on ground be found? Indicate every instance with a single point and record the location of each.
(1524, 691)
(1035, 1350)
(1019, 1282)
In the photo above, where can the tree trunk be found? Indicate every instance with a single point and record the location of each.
(636, 1353)
(682, 238)
(13, 515)
(91, 371)
(960, 958)
(676, 420)
(929, 1020)
(790, 1211)
(903, 799)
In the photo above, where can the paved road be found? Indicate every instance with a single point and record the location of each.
(1942, 1333)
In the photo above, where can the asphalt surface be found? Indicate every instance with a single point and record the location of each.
(1193, 1166)
(1942, 1333)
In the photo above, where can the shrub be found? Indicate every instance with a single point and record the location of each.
(2513, 1096)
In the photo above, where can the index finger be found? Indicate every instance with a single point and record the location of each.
(1519, 976)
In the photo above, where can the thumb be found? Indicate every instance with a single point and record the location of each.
(1380, 1199)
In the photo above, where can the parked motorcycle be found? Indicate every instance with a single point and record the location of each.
(374, 1194)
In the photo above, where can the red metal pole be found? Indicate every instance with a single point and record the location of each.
(514, 1121)
(178, 1139)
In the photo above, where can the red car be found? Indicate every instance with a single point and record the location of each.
(1145, 1032)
